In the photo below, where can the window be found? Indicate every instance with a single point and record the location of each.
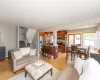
(88, 39)
(71, 39)
(74, 39)
(77, 39)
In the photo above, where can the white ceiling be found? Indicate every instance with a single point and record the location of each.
(47, 13)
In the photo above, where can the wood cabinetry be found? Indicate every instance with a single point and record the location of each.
(61, 37)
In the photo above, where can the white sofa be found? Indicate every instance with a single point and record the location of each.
(22, 62)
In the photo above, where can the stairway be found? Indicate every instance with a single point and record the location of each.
(22, 44)
(28, 35)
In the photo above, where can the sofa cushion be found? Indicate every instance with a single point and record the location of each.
(32, 58)
(25, 51)
(32, 52)
(22, 60)
(17, 54)
(69, 73)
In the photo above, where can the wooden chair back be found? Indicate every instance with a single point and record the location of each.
(73, 48)
(88, 50)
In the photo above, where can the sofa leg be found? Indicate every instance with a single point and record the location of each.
(25, 73)
(14, 72)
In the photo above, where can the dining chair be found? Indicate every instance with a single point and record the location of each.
(88, 51)
(47, 51)
(42, 53)
(84, 53)
(74, 52)
(68, 52)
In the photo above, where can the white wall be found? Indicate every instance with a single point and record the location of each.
(78, 24)
(8, 37)
(84, 30)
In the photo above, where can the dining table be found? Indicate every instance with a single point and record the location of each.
(68, 49)
(79, 48)
(92, 51)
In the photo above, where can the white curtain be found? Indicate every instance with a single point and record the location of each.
(97, 38)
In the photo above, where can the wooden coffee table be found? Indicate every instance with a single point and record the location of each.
(38, 72)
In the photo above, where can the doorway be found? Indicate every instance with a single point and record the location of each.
(74, 39)
(45, 38)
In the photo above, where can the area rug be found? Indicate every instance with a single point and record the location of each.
(56, 74)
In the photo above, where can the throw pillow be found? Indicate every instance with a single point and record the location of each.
(91, 70)
(25, 51)
(17, 54)
(78, 65)
(32, 52)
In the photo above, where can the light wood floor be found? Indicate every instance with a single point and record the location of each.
(6, 72)
(59, 63)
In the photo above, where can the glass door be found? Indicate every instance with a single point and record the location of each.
(71, 39)
(74, 39)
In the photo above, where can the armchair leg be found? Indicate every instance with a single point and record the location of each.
(25, 73)
(14, 72)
